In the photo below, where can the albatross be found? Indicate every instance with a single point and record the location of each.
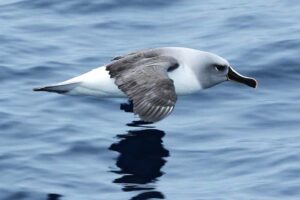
(152, 78)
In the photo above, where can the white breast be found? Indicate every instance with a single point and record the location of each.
(184, 77)
(185, 81)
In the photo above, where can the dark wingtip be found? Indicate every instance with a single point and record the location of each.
(38, 89)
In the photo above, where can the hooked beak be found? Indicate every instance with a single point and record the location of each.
(234, 76)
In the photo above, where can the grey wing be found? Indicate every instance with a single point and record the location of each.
(143, 78)
(130, 54)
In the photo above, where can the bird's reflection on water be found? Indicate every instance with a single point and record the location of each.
(53, 196)
(140, 161)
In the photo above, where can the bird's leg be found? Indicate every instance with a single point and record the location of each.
(127, 107)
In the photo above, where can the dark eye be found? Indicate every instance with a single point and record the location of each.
(220, 67)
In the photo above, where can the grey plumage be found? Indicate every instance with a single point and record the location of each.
(143, 77)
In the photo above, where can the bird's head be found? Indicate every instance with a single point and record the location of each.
(215, 69)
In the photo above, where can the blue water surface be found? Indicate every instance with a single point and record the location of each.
(228, 142)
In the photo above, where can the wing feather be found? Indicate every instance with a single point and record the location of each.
(143, 77)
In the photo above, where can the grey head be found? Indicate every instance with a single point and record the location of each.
(214, 69)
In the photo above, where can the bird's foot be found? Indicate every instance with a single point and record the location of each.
(127, 107)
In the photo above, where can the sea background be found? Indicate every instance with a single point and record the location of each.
(228, 142)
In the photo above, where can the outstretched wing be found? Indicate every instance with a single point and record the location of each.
(143, 78)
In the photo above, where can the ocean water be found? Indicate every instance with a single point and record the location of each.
(228, 142)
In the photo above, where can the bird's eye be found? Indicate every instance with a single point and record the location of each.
(220, 67)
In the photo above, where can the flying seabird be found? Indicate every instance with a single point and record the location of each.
(153, 78)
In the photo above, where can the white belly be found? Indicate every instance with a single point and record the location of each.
(96, 82)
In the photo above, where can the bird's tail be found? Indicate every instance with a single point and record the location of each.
(58, 88)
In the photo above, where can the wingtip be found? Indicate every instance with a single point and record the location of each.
(42, 89)
(37, 89)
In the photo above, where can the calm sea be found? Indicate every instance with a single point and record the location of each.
(228, 142)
